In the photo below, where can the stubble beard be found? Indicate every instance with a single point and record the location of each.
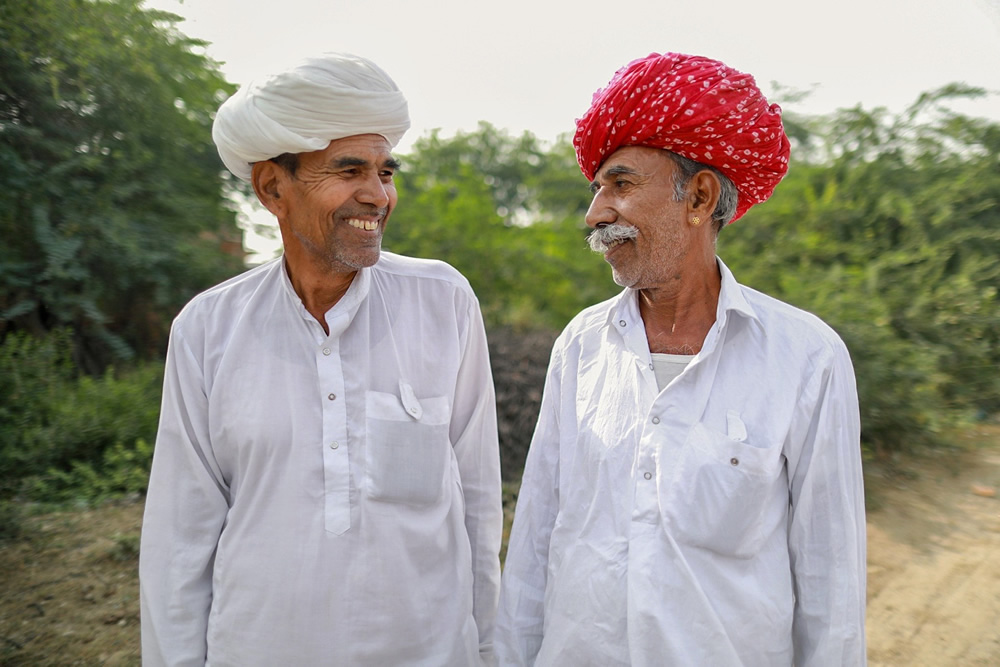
(338, 257)
(648, 267)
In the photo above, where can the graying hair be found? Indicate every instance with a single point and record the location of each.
(725, 209)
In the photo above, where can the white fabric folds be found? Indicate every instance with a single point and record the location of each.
(326, 97)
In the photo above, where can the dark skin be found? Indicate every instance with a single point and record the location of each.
(672, 260)
(331, 214)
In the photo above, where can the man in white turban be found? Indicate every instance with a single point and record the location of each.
(326, 481)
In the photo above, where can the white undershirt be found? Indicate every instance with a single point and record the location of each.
(668, 366)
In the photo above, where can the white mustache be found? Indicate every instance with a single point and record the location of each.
(603, 237)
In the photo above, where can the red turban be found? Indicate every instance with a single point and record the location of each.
(693, 106)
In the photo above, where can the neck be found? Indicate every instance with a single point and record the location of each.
(677, 318)
(319, 289)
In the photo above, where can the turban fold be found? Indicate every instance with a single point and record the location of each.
(693, 106)
(327, 97)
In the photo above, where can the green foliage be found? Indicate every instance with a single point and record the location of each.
(35, 373)
(123, 471)
(891, 232)
(508, 213)
(113, 210)
(11, 520)
(55, 426)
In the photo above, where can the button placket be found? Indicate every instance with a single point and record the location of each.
(336, 460)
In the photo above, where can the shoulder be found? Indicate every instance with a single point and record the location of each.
(228, 297)
(587, 329)
(793, 328)
(428, 273)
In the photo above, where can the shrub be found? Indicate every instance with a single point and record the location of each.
(123, 470)
(59, 429)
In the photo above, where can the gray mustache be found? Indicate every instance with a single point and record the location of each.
(602, 237)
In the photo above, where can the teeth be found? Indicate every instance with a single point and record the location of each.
(367, 225)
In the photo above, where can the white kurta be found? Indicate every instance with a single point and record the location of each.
(325, 499)
(717, 522)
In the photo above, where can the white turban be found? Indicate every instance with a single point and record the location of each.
(327, 97)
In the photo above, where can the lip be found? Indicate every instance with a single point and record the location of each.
(615, 248)
(365, 224)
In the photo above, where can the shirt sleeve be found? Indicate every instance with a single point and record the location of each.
(475, 438)
(186, 507)
(827, 539)
(521, 614)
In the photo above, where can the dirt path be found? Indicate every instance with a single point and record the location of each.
(68, 589)
(934, 560)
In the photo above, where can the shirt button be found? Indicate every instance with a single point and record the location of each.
(332, 396)
(650, 366)
(648, 475)
(326, 351)
(656, 420)
(334, 444)
(735, 461)
(621, 322)
(413, 411)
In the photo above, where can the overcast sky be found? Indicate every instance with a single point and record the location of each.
(534, 64)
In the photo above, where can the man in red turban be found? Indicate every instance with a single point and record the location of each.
(693, 491)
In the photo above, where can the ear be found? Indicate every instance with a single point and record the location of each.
(268, 179)
(703, 196)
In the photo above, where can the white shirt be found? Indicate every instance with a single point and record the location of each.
(717, 522)
(325, 499)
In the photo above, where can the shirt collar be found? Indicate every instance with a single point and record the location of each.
(348, 304)
(732, 297)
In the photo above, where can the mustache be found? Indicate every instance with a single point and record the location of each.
(601, 238)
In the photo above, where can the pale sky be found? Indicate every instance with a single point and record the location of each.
(534, 64)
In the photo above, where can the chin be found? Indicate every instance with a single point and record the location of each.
(622, 280)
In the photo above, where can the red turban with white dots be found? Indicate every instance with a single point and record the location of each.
(693, 106)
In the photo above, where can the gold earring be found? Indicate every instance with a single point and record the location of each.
(695, 221)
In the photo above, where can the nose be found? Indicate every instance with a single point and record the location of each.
(373, 191)
(600, 213)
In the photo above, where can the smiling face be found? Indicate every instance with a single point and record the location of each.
(635, 188)
(333, 210)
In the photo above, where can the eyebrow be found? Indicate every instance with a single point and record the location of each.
(615, 170)
(340, 163)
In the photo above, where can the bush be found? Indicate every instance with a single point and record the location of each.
(122, 471)
(59, 429)
(36, 372)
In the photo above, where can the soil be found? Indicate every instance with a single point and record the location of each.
(934, 557)
(69, 594)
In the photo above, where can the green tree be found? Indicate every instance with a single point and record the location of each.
(891, 232)
(113, 209)
(507, 212)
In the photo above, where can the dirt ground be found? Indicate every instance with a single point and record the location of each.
(934, 558)
(68, 590)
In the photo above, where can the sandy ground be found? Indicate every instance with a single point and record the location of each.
(934, 559)
(69, 594)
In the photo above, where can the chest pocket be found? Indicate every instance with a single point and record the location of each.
(407, 448)
(716, 492)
